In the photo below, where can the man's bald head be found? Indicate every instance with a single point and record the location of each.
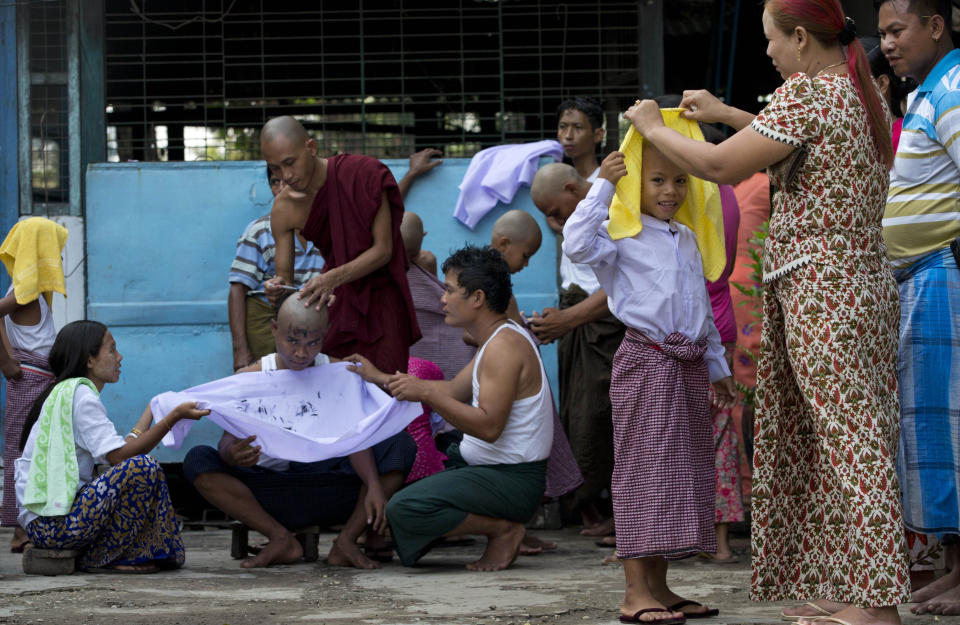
(557, 189)
(286, 127)
(411, 229)
(517, 236)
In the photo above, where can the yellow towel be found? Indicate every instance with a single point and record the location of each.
(31, 254)
(700, 211)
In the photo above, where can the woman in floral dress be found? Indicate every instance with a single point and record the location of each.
(827, 521)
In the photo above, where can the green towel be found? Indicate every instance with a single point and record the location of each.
(54, 474)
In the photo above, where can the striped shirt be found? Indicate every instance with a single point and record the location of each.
(254, 264)
(922, 214)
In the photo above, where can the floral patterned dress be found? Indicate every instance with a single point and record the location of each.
(827, 518)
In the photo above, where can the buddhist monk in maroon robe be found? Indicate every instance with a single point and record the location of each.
(350, 207)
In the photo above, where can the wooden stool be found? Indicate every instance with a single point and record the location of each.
(50, 561)
(309, 538)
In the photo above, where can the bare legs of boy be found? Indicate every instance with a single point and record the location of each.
(237, 500)
(345, 551)
(503, 540)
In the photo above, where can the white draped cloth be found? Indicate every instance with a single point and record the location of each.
(303, 416)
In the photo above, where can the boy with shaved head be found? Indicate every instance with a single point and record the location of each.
(588, 338)
(273, 496)
(350, 207)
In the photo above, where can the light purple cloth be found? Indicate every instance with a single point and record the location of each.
(496, 173)
(719, 291)
(302, 416)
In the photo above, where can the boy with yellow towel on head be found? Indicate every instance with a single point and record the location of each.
(31, 254)
(651, 268)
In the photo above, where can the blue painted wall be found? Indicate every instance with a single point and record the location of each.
(160, 239)
(9, 179)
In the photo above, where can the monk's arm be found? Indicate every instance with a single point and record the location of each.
(282, 225)
(237, 316)
(373, 258)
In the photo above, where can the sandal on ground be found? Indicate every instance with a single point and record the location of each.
(813, 606)
(712, 557)
(668, 620)
(826, 619)
(677, 607)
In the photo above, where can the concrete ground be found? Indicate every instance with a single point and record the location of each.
(563, 587)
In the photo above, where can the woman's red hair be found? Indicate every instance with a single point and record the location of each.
(824, 20)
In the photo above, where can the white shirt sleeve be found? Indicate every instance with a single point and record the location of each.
(92, 430)
(585, 238)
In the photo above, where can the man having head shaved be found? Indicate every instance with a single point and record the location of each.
(588, 338)
(350, 207)
(273, 497)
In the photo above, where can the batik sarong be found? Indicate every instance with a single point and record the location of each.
(424, 511)
(729, 494)
(827, 521)
(663, 474)
(928, 462)
(121, 517)
(21, 394)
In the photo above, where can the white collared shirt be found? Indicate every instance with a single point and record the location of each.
(653, 280)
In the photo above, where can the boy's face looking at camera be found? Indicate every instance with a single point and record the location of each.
(663, 186)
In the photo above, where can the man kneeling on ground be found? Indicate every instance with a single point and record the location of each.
(273, 496)
(500, 401)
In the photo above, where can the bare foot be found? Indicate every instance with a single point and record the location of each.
(936, 588)
(611, 559)
(20, 540)
(607, 541)
(347, 553)
(281, 550)
(946, 603)
(661, 612)
(823, 608)
(603, 528)
(502, 548)
(859, 616)
(532, 546)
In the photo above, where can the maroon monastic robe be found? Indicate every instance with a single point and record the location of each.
(374, 315)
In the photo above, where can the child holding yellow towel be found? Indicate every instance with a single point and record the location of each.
(649, 265)
(31, 254)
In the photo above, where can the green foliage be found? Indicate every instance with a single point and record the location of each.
(754, 297)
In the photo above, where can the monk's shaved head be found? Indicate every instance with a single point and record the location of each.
(286, 127)
(551, 179)
(518, 226)
(411, 229)
(294, 317)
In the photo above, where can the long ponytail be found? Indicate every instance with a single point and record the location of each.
(824, 20)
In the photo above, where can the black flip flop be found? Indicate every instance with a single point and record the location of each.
(670, 620)
(676, 607)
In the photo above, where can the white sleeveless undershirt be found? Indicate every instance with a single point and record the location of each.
(269, 362)
(37, 338)
(528, 434)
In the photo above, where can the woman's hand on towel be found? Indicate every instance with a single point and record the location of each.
(375, 505)
(189, 410)
(645, 116)
(702, 106)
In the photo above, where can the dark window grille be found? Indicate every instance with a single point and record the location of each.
(49, 109)
(195, 79)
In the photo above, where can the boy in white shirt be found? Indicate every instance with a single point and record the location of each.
(663, 480)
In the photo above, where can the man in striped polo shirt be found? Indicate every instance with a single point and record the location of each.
(921, 220)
